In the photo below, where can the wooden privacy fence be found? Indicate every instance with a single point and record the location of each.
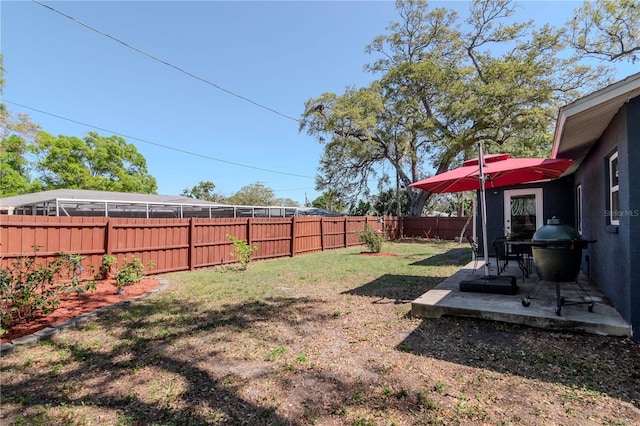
(187, 244)
(444, 228)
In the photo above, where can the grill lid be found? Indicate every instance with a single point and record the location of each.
(555, 231)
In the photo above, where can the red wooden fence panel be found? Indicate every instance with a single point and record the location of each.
(163, 242)
(353, 225)
(308, 235)
(210, 242)
(444, 228)
(181, 244)
(46, 237)
(272, 236)
(333, 233)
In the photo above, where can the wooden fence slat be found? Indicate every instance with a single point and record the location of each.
(188, 244)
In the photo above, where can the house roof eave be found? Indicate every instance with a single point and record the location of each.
(581, 123)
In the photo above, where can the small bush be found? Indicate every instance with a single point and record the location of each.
(30, 286)
(130, 272)
(371, 238)
(242, 251)
(107, 268)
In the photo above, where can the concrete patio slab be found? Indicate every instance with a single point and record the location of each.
(447, 299)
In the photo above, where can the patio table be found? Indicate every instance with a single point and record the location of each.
(522, 250)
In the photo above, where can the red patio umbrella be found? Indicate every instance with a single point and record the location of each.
(499, 169)
(495, 171)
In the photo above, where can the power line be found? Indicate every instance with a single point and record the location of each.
(155, 143)
(127, 45)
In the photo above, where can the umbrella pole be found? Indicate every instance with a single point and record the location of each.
(487, 284)
(483, 212)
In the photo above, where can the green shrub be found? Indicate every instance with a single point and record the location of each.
(242, 251)
(371, 238)
(107, 268)
(30, 286)
(132, 271)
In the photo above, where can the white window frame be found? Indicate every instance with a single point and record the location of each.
(614, 217)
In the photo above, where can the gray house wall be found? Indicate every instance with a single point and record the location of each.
(614, 264)
(556, 201)
(633, 120)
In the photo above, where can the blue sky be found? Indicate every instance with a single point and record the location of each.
(277, 54)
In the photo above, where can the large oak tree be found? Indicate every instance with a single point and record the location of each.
(445, 85)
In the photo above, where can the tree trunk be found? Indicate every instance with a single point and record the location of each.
(464, 228)
(418, 199)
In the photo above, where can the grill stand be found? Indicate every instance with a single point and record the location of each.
(560, 300)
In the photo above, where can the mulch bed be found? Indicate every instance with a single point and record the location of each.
(74, 304)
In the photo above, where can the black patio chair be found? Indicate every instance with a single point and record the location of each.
(474, 249)
(502, 254)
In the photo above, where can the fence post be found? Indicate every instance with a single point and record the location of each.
(191, 258)
(346, 223)
(322, 233)
(108, 237)
(249, 232)
(293, 235)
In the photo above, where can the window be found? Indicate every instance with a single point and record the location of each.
(579, 208)
(614, 197)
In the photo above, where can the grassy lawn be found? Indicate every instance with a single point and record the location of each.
(324, 338)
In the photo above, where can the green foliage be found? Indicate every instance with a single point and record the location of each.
(130, 272)
(606, 29)
(255, 194)
(286, 202)
(362, 208)
(30, 287)
(93, 162)
(242, 251)
(107, 267)
(329, 200)
(446, 82)
(371, 238)
(73, 263)
(386, 203)
(17, 137)
(204, 190)
(32, 160)
(276, 353)
(14, 173)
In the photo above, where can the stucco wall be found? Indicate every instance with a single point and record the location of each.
(610, 256)
(614, 260)
(557, 201)
(633, 120)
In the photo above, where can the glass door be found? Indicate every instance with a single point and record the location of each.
(522, 212)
